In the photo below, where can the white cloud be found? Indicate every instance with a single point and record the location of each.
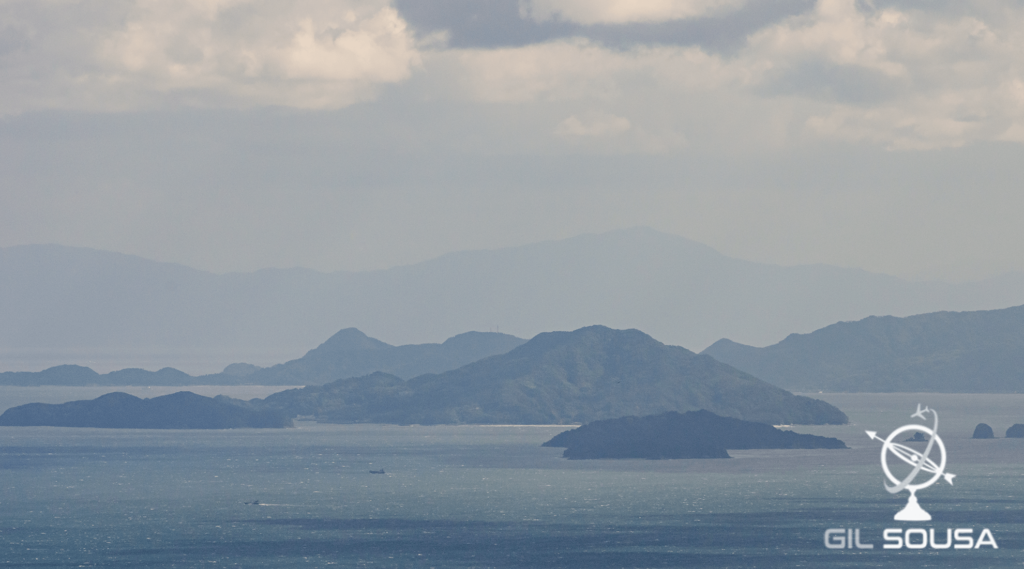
(564, 70)
(593, 126)
(589, 12)
(235, 53)
(837, 32)
(901, 78)
(572, 69)
(941, 80)
(898, 78)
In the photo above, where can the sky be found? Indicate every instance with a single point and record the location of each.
(234, 135)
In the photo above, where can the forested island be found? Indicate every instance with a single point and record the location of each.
(695, 434)
(558, 378)
(573, 377)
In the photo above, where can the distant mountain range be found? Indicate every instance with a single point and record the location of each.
(949, 352)
(558, 378)
(66, 305)
(182, 410)
(349, 353)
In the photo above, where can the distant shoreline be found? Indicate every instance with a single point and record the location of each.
(566, 425)
(14, 395)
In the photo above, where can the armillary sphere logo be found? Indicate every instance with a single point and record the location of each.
(919, 461)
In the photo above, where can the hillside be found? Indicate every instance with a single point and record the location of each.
(951, 352)
(67, 305)
(559, 378)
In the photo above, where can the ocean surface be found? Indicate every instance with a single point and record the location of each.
(474, 496)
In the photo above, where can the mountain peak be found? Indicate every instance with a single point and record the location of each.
(351, 353)
(476, 340)
(62, 301)
(596, 337)
(350, 339)
(569, 377)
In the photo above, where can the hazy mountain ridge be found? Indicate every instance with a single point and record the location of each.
(558, 378)
(952, 352)
(182, 410)
(348, 353)
(60, 304)
(81, 375)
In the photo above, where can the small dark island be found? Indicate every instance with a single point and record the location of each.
(182, 410)
(1015, 432)
(983, 431)
(695, 434)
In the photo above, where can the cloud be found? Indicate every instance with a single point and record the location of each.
(593, 126)
(572, 69)
(316, 54)
(904, 79)
(931, 75)
(589, 12)
(938, 79)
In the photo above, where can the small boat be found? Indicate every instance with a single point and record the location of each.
(381, 471)
(253, 503)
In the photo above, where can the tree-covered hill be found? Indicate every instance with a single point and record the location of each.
(560, 378)
(694, 434)
(946, 352)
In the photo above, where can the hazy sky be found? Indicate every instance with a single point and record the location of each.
(232, 135)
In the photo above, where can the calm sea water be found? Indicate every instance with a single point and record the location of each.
(490, 497)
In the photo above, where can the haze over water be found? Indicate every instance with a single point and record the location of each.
(471, 496)
(193, 184)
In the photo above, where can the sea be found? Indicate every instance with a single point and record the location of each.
(492, 496)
